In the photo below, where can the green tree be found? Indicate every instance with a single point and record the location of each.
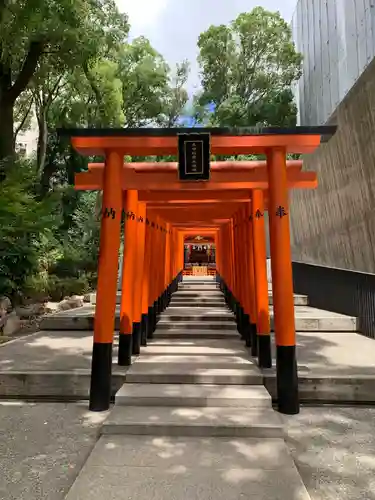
(176, 96)
(27, 229)
(23, 111)
(247, 71)
(59, 31)
(144, 75)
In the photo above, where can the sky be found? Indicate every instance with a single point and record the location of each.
(173, 26)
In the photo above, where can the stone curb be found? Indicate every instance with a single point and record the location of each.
(52, 384)
(76, 384)
(329, 388)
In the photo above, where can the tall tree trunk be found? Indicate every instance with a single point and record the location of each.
(48, 171)
(42, 140)
(6, 129)
(6, 123)
(8, 95)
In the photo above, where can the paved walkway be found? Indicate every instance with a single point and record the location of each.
(193, 421)
(333, 449)
(333, 365)
(318, 352)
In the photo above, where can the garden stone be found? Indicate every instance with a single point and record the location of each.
(12, 324)
(32, 310)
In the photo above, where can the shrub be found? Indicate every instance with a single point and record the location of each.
(26, 229)
(63, 287)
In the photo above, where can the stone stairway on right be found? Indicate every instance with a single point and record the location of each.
(193, 420)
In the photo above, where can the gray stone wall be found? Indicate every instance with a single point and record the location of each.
(334, 225)
(337, 40)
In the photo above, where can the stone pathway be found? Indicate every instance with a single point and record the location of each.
(192, 421)
(333, 365)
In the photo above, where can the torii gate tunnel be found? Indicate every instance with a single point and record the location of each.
(165, 202)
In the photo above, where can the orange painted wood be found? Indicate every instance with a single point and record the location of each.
(130, 204)
(250, 264)
(236, 247)
(281, 262)
(260, 263)
(243, 225)
(139, 262)
(161, 262)
(222, 166)
(110, 234)
(212, 196)
(220, 145)
(146, 271)
(254, 179)
(153, 262)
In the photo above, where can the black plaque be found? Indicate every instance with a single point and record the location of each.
(194, 157)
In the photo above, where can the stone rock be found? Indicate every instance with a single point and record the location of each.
(70, 303)
(87, 297)
(12, 324)
(76, 302)
(5, 306)
(30, 311)
(63, 305)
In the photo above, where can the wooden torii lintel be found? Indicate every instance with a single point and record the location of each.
(253, 179)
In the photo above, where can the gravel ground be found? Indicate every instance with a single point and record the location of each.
(334, 450)
(44, 445)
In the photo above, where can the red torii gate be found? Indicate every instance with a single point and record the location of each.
(148, 192)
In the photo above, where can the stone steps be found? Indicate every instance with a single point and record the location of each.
(191, 297)
(188, 385)
(201, 287)
(188, 468)
(197, 422)
(197, 360)
(187, 373)
(205, 350)
(188, 395)
(198, 303)
(210, 294)
(306, 319)
(197, 314)
(190, 294)
(195, 326)
(197, 331)
(188, 347)
(196, 300)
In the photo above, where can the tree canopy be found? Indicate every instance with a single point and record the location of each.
(71, 64)
(248, 69)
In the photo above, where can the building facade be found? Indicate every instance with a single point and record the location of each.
(337, 40)
(334, 225)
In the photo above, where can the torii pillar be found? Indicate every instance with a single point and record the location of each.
(110, 232)
(282, 283)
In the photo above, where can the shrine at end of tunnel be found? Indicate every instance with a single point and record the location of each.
(195, 217)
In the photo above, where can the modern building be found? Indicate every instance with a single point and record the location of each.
(337, 40)
(334, 225)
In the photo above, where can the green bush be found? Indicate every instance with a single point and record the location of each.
(37, 286)
(39, 256)
(69, 264)
(26, 230)
(63, 287)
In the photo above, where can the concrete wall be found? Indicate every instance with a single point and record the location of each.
(335, 224)
(337, 39)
